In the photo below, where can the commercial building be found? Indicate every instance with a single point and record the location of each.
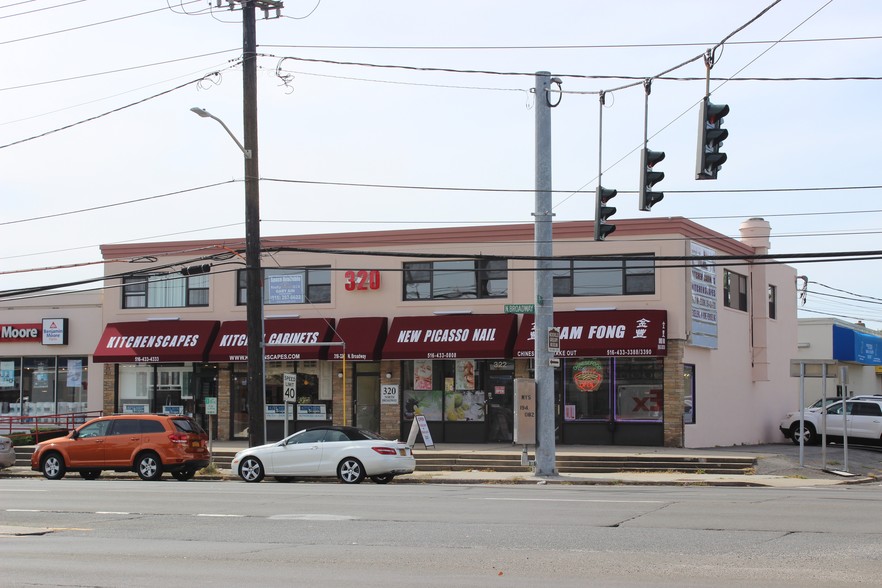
(849, 346)
(46, 343)
(670, 333)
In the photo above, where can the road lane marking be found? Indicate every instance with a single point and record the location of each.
(23, 510)
(111, 512)
(311, 517)
(220, 515)
(575, 500)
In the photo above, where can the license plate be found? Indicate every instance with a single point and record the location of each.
(402, 452)
(196, 443)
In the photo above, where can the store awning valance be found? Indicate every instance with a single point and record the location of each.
(479, 336)
(364, 337)
(602, 333)
(158, 341)
(287, 339)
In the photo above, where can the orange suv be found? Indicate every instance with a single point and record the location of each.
(148, 444)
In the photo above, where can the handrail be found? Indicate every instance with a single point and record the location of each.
(32, 423)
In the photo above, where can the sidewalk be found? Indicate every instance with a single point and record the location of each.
(777, 465)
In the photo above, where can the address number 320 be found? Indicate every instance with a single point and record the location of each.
(362, 280)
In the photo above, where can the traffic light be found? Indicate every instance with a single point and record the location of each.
(649, 178)
(603, 212)
(711, 135)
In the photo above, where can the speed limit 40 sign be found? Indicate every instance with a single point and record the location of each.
(289, 383)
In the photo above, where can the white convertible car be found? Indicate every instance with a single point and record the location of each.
(348, 453)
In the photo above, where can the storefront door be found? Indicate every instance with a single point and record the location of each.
(205, 384)
(367, 396)
(499, 392)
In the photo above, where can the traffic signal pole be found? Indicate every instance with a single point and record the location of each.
(544, 316)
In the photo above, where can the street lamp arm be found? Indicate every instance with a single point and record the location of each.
(205, 114)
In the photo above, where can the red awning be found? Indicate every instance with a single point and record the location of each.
(286, 340)
(480, 336)
(364, 337)
(155, 341)
(613, 333)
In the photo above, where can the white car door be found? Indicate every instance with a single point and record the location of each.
(834, 419)
(300, 455)
(865, 420)
(335, 447)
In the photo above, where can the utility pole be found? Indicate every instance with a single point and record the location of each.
(253, 275)
(544, 316)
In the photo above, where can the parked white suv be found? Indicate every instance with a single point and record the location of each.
(863, 414)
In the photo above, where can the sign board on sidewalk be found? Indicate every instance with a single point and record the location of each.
(210, 405)
(420, 426)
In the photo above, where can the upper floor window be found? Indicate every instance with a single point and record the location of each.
(603, 277)
(773, 302)
(734, 290)
(165, 291)
(481, 278)
(297, 285)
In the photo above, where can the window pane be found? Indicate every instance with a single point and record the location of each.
(166, 292)
(587, 383)
(597, 278)
(640, 277)
(454, 279)
(417, 291)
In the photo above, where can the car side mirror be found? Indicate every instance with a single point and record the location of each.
(75, 434)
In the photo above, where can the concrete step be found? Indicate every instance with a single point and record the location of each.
(511, 462)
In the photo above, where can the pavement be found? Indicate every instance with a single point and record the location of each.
(777, 465)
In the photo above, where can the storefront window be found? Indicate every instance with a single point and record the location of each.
(689, 394)
(38, 385)
(73, 380)
(639, 389)
(634, 386)
(444, 390)
(135, 388)
(306, 375)
(587, 384)
(10, 386)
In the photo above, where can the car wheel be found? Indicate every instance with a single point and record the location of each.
(383, 479)
(350, 471)
(183, 475)
(53, 466)
(90, 474)
(148, 466)
(808, 434)
(251, 470)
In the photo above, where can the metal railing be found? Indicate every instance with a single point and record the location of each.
(38, 426)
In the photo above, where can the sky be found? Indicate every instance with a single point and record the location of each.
(98, 144)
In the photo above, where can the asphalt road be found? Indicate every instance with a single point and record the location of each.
(75, 532)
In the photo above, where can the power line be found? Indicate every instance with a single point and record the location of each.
(90, 25)
(562, 47)
(109, 112)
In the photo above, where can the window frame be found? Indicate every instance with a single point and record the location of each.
(138, 286)
(315, 290)
(632, 270)
(773, 301)
(742, 290)
(483, 274)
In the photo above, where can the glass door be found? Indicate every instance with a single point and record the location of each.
(367, 396)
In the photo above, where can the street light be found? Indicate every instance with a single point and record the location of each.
(254, 291)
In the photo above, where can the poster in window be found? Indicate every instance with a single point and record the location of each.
(422, 374)
(639, 402)
(465, 374)
(422, 402)
(74, 373)
(464, 406)
(7, 374)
